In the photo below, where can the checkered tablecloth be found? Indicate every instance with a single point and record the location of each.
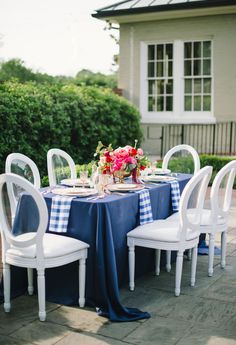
(145, 208)
(175, 194)
(60, 211)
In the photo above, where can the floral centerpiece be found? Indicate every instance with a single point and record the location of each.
(122, 161)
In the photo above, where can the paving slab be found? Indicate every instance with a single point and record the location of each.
(201, 315)
(209, 336)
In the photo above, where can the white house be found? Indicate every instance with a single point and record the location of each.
(177, 60)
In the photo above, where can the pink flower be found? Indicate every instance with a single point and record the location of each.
(131, 160)
(140, 152)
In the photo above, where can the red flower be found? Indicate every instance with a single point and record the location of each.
(108, 159)
(133, 152)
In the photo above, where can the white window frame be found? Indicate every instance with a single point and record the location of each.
(178, 115)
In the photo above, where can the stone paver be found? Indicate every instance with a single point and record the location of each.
(203, 315)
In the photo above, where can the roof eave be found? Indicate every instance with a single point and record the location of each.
(100, 14)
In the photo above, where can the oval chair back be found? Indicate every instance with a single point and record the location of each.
(35, 238)
(180, 148)
(21, 165)
(221, 209)
(192, 202)
(57, 169)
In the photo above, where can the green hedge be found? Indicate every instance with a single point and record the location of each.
(35, 118)
(185, 164)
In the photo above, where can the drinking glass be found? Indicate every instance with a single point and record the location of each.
(102, 181)
(84, 177)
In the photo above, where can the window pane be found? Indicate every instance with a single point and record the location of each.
(160, 52)
(207, 103)
(169, 103)
(151, 52)
(197, 49)
(206, 67)
(169, 87)
(151, 69)
(187, 50)
(206, 85)
(197, 103)
(151, 87)
(188, 86)
(169, 51)
(197, 85)
(187, 68)
(160, 87)
(159, 66)
(197, 67)
(187, 103)
(160, 103)
(151, 104)
(170, 69)
(207, 49)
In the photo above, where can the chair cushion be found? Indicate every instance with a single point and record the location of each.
(205, 218)
(54, 246)
(161, 230)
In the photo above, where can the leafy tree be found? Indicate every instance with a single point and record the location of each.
(15, 69)
(89, 78)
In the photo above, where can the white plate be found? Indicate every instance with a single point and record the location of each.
(160, 171)
(124, 187)
(158, 178)
(74, 182)
(81, 192)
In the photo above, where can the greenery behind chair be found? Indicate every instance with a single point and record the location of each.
(185, 164)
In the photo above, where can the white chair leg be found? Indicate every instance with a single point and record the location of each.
(131, 267)
(41, 294)
(223, 248)
(189, 255)
(82, 276)
(211, 254)
(178, 274)
(7, 287)
(168, 261)
(193, 266)
(157, 263)
(30, 281)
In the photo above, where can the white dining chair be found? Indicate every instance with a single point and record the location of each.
(215, 219)
(60, 165)
(183, 150)
(36, 250)
(179, 234)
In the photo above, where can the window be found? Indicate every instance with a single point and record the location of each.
(176, 80)
(160, 77)
(197, 76)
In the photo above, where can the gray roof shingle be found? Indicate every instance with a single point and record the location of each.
(145, 6)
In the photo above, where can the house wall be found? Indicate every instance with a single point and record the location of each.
(221, 29)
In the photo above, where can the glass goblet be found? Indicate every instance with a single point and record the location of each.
(84, 177)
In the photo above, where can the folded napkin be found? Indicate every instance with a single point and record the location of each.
(175, 194)
(145, 208)
(60, 211)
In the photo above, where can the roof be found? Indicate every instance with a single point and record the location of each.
(129, 7)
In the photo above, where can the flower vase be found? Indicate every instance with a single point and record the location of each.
(121, 174)
(135, 175)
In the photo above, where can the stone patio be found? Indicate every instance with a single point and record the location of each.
(203, 315)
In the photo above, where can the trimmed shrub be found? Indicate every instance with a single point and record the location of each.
(185, 164)
(35, 118)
